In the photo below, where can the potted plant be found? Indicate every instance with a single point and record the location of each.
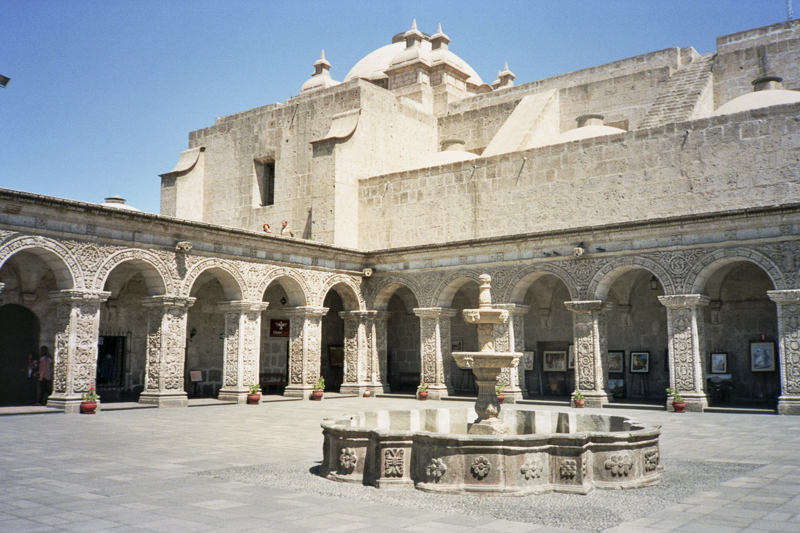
(422, 391)
(318, 388)
(255, 395)
(500, 391)
(677, 400)
(577, 399)
(89, 403)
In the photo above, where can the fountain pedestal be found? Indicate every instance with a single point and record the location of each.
(487, 363)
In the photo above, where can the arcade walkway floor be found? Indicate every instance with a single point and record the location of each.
(223, 467)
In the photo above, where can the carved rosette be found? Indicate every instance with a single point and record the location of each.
(685, 330)
(393, 462)
(619, 465)
(533, 468)
(166, 342)
(651, 460)
(591, 345)
(77, 327)
(480, 467)
(348, 459)
(435, 469)
(788, 303)
(305, 330)
(434, 343)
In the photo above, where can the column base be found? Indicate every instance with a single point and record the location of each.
(439, 391)
(595, 400)
(355, 389)
(67, 404)
(513, 395)
(298, 391)
(233, 395)
(694, 404)
(787, 405)
(164, 399)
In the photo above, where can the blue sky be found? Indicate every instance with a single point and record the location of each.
(103, 94)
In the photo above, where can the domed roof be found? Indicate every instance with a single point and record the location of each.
(586, 132)
(756, 100)
(118, 202)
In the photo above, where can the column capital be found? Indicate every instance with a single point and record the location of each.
(588, 306)
(513, 309)
(678, 301)
(169, 301)
(435, 312)
(790, 296)
(306, 311)
(242, 306)
(80, 295)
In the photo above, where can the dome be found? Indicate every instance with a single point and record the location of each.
(436, 159)
(586, 132)
(373, 65)
(118, 202)
(756, 100)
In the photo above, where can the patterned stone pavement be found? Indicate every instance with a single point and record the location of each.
(135, 470)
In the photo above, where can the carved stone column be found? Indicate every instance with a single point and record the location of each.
(686, 341)
(241, 348)
(305, 339)
(75, 357)
(788, 349)
(357, 351)
(434, 324)
(510, 337)
(166, 351)
(590, 329)
(380, 370)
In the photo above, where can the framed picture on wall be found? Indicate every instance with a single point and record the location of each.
(278, 327)
(719, 363)
(616, 387)
(762, 357)
(554, 361)
(616, 362)
(640, 362)
(527, 360)
(571, 357)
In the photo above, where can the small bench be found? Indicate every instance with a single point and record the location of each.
(273, 380)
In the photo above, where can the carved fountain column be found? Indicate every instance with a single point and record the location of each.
(686, 341)
(241, 348)
(305, 339)
(75, 357)
(788, 303)
(166, 351)
(510, 337)
(434, 325)
(591, 350)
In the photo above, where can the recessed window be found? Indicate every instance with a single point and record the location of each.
(265, 178)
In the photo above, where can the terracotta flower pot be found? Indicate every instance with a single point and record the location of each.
(680, 407)
(578, 403)
(316, 395)
(367, 393)
(253, 399)
(88, 408)
(501, 398)
(423, 395)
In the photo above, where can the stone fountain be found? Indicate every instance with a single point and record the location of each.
(487, 363)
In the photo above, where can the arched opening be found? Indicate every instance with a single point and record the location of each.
(19, 338)
(332, 350)
(459, 295)
(282, 294)
(740, 363)
(402, 341)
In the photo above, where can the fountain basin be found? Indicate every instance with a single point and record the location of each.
(545, 451)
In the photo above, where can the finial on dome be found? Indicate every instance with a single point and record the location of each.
(439, 39)
(505, 78)
(413, 36)
(321, 77)
(414, 25)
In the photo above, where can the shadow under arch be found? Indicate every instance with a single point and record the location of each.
(233, 285)
(65, 267)
(602, 281)
(385, 293)
(708, 267)
(115, 278)
(295, 287)
(526, 278)
(451, 286)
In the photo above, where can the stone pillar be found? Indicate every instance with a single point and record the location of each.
(434, 324)
(510, 337)
(305, 339)
(166, 351)
(686, 341)
(357, 351)
(380, 370)
(591, 350)
(75, 357)
(241, 348)
(788, 303)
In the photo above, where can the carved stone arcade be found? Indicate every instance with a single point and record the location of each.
(166, 348)
(242, 345)
(434, 324)
(591, 350)
(686, 340)
(75, 357)
(305, 337)
(788, 303)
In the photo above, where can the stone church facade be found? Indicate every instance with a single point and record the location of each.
(648, 207)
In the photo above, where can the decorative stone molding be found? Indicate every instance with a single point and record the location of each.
(114, 257)
(788, 303)
(75, 357)
(305, 330)
(591, 349)
(166, 346)
(685, 328)
(358, 359)
(241, 348)
(435, 349)
(69, 274)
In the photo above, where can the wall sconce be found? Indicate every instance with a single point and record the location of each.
(654, 283)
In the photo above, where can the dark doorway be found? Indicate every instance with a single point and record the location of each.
(110, 368)
(19, 336)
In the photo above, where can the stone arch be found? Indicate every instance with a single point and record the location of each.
(153, 270)
(523, 280)
(707, 265)
(605, 277)
(58, 258)
(387, 287)
(233, 284)
(293, 283)
(348, 290)
(450, 285)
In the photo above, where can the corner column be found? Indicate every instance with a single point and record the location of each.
(166, 351)
(241, 349)
(788, 303)
(435, 354)
(305, 339)
(510, 337)
(686, 340)
(590, 332)
(75, 358)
